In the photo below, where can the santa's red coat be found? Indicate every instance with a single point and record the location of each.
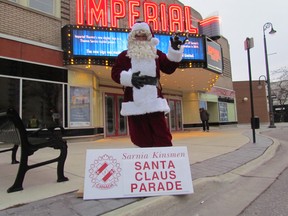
(147, 127)
(123, 63)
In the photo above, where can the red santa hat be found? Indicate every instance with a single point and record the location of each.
(142, 26)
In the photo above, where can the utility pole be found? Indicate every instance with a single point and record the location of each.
(248, 44)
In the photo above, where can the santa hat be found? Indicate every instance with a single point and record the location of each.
(144, 27)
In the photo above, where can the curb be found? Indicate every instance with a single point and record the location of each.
(155, 205)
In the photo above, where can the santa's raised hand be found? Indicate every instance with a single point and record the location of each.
(176, 43)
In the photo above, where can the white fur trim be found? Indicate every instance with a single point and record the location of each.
(146, 66)
(157, 105)
(141, 26)
(145, 99)
(145, 94)
(125, 78)
(175, 55)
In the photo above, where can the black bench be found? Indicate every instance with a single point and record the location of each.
(12, 131)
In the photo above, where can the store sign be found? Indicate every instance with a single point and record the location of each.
(214, 56)
(89, 43)
(137, 172)
(97, 13)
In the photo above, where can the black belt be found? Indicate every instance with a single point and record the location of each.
(148, 80)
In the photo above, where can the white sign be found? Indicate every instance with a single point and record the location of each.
(137, 172)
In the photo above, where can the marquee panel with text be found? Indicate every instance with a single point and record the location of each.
(91, 45)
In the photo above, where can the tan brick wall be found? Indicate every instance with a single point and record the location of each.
(26, 23)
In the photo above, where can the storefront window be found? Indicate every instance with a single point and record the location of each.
(51, 7)
(35, 91)
(42, 104)
(223, 112)
(9, 93)
(42, 5)
(203, 104)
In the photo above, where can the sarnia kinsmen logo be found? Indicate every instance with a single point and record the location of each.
(105, 172)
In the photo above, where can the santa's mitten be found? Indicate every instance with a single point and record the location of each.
(176, 42)
(137, 81)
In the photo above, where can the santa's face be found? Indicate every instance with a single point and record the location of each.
(141, 37)
(140, 45)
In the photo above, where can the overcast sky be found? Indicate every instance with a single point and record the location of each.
(245, 18)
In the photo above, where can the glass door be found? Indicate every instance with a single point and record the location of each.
(115, 124)
(175, 115)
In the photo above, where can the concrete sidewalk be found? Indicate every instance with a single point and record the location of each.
(211, 154)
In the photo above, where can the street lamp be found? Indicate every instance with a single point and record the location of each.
(259, 81)
(271, 114)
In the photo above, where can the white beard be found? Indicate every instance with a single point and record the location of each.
(141, 49)
(145, 99)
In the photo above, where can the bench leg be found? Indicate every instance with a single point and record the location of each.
(61, 162)
(23, 167)
(14, 152)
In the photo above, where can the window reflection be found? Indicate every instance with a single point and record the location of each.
(42, 104)
(42, 5)
(9, 93)
(116, 124)
(122, 119)
(110, 119)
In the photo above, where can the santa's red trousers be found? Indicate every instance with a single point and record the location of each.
(149, 130)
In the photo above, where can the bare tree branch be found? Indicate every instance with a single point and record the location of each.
(279, 89)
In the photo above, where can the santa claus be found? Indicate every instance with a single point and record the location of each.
(138, 70)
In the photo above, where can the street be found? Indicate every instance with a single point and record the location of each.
(262, 191)
(273, 201)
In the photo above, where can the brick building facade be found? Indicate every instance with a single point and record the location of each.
(35, 79)
(242, 89)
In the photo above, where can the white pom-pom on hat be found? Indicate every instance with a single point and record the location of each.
(155, 41)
